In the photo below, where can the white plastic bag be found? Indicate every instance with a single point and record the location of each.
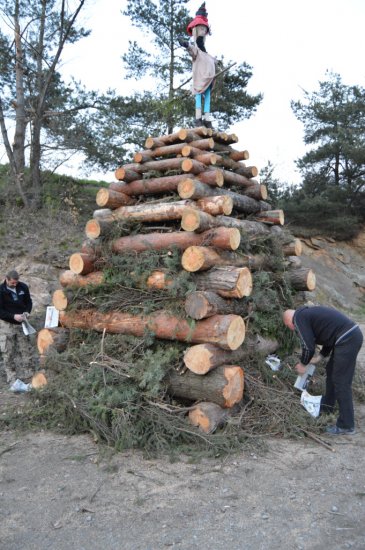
(20, 387)
(311, 403)
(273, 361)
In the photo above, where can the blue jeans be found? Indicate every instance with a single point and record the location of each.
(340, 372)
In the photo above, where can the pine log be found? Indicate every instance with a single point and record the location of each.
(220, 237)
(131, 172)
(150, 154)
(226, 331)
(103, 214)
(70, 279)
(194, 189)
(301, 279)
(206, 222)
(95, 228)
(82, 264)
(202, 304)
(159, 280)
(292, 262)
(256, 191)
(208, 159)
(252, 228)
(61, 299)
(293, 248)
(126, 174)
(154, 186)
(118, 186)
(231, 178)
(207, 416)
(232, 153)
(228, 282)
(213, 177)
(108, 198)
(203, 358)
(52, 339)
(164, 211)
(273, 217)
(92, 247)
(237, 167)
(224, 138)
(182, 135)
(223, 386)
(201, 258)
(203, 144)
(216, 205)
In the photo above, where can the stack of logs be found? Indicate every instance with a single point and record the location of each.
(212, 182)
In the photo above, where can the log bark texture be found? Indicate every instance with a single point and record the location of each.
(201, 258)
(203, 358)
(195, 189)
(226, 331)
(227, 282)
(223, 386)
(71, 279)
(221, 237)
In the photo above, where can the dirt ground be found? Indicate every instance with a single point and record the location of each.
(59, 492)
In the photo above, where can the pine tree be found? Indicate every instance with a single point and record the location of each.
(33, 93)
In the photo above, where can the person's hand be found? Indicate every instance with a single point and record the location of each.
(19, 317)
(300, 368)
(316, 359)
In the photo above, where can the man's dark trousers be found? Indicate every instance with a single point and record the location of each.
(340, 372)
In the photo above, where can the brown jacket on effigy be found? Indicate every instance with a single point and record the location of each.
(203, 69)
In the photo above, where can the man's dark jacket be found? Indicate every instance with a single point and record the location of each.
(11, 303)
(320, 325)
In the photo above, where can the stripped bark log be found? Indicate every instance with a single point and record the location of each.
(157, 212)
(228, 282)
(226, 331)
(206, 222)
(220, 237)
(223, 386)
(203, 358)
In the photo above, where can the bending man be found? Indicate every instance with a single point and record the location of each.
(341, 340)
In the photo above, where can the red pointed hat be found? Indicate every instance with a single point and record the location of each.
(201, 18)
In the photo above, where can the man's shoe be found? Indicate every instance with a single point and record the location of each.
(335, 430)
(198, 122)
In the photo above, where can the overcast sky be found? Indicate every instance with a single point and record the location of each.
(290, 44)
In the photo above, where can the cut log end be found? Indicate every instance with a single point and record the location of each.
(207, 417)
(233, 391)
(59, 300)
(236, 333)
